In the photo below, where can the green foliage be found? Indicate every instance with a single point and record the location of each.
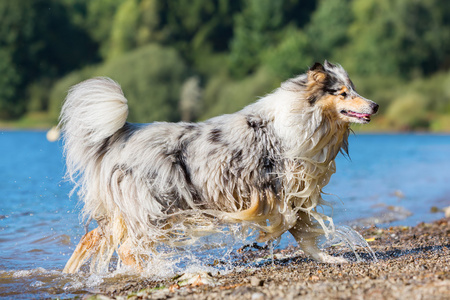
(328, 28)
(262, 25)
(254, 29)
(401, 38)
(381, 89)
(194, 28)
(36, 41)
(417, 104)
(225, 95)
(125, 23)
(440, 124)
(10, 82)
(200, 25)
(291, 57)
(408, 112)
(99, 21)
(151, 78)
(396, 51)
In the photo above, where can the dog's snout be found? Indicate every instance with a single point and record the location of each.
(374, 107)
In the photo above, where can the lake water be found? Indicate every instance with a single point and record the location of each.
(40, 226)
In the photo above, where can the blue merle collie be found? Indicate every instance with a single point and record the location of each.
(263, 167)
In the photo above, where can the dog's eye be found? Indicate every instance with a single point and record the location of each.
(343, 94)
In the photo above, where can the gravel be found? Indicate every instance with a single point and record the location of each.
(413, 263)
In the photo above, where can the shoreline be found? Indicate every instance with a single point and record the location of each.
(413, 262)
(357, 132)
(19, 125)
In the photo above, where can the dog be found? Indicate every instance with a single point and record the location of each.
(263, 167)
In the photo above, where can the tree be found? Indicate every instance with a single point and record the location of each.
(125, 25)
(254, 30)
(151, 78)
(98, 21)
(10, 81)
(36, 41)
(328, 28)
(399, 37)
(262, 25)
(291, 56)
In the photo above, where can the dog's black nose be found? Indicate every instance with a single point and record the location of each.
(375, 107)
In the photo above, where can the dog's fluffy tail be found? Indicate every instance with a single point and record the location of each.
(93, 111)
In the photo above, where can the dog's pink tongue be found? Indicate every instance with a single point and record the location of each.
(359, 115)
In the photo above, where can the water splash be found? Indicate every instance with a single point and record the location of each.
(214, 254)
(271, 253)
(345, 235)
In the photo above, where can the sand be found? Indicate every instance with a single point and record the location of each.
(413, 263)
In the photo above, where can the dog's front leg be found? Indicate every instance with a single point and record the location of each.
(306, 234)
(128, 257)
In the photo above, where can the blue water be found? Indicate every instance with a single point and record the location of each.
(381, 166)
(40, 226)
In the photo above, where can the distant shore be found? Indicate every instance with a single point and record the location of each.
(19, 126)
(413, 263)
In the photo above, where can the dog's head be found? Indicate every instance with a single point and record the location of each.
(330, 87)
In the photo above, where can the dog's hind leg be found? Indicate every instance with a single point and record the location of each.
(306, 233)
(87, 246)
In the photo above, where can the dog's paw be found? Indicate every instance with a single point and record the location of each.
(328, 259)
(197, 279)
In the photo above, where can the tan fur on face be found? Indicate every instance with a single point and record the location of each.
(356, 104)
(332, 105)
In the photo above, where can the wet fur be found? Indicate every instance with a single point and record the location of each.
(263, 167)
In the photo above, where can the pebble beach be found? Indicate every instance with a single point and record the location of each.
(412, 263)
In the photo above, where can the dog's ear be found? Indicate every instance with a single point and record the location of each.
(317, 67)
(317, 73)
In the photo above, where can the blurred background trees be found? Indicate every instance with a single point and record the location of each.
(195, 59)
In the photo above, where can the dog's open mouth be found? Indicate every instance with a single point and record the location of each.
(359, 116)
